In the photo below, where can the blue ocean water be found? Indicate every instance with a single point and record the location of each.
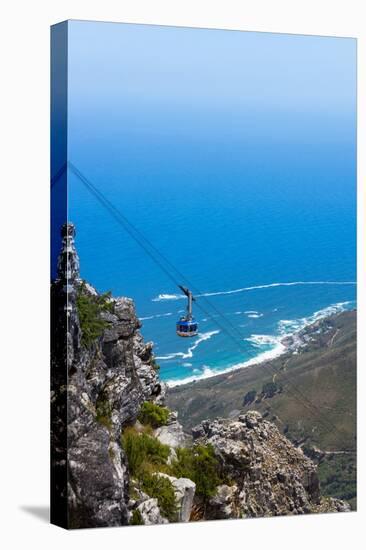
(235, 155)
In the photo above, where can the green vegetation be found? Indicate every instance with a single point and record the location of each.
(153, 415)
(147, 457)
(199, 464)
(104, 412)
(144, 452)
(337, 475)
(269, 389)
(162, 489)
(89, 309)
(136, 518)
(249, 397)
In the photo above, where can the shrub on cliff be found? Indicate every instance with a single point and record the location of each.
(89, 309)
(199, 464)
(104, 412)
(136, 518)
(144, 452)
(153, 414)
(162, 489)
(146, 456)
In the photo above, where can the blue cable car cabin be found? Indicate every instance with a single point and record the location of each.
(187, 326)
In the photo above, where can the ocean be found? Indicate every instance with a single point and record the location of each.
(261, 270)
(240, 168)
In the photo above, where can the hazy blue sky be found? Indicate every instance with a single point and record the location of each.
(162, 71)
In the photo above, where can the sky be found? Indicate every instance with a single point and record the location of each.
(165, 73)
(137, 93)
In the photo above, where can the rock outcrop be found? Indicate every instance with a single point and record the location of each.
(150, 512)
(184, 490)
(265, 474)
(172, 434)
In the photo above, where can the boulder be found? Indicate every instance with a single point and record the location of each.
(150, 512)
(184, 493)
(172, 434)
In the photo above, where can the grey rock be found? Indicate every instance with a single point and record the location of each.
(198, 431)
(96, 391)
(184, 493)
(150, 512)
(223, 504)
(269, 475)
(172, 435)
(97, 481)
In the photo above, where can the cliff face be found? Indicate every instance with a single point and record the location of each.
(106, 387)
(96, 390)
(102, 374)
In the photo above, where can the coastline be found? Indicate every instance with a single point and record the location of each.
(287, 343)
(323, 363)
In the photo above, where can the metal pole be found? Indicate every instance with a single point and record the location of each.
(189, 305)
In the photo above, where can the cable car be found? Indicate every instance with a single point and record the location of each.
(187, 326)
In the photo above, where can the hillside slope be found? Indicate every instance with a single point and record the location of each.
(311, 396)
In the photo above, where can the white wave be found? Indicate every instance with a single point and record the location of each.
(273, 285)
(169, 356)
(330, 310)
(268, 355)
(206, 373)
(209, 372)
(262, 339)
(189, 354)
(162, 297)
(289, 326)
(255, 315)
(155, 316)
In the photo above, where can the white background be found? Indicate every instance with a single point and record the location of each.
(24, 374)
